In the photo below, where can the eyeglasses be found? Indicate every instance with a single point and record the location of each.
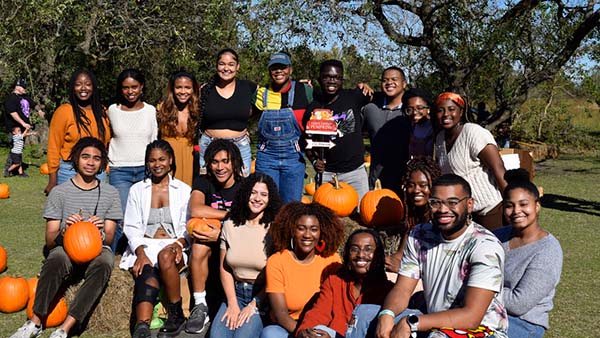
(412, 110)
(368, 250)
(452, 202)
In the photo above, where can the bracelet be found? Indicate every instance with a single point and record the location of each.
(386, 312)
(181, 245)
(313, 162)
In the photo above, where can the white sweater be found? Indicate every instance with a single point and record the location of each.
(131, 133)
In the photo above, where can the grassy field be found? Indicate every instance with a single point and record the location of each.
(571, 212)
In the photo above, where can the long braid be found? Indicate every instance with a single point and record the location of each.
(431, 170)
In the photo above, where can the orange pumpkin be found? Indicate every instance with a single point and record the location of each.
(32, 283)
(44, 169)
(2, 259)
(337, 196)
(310, 187)
(4, 191)
(252, 166)
(202, 224)
(367, 158)
(305, 200)
(14, 293)
(57, 315)
(381, 207)
(82, 242)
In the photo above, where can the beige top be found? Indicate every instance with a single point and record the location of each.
(245, 245)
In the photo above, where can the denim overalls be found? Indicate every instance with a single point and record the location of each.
(279, 154)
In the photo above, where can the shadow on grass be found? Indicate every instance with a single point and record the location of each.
(571, 204)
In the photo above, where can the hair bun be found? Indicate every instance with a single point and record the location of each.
(516, 175)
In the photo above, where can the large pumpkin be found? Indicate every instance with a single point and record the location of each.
(381, 207)
(337, 196)
(4, 191)
(58, 314)
(14, 293)
(202, 224)
(310, 188)
(82, 242)
(2, 259)
(44, 169)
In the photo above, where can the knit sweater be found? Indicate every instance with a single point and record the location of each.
(132, 131)
(531, 273)
(63, 134)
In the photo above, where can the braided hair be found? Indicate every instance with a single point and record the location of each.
(431, 170)
(81, 120)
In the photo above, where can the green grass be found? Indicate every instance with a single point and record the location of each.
(571, 211)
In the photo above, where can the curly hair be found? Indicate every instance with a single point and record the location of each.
(282, 229)
(240, 212)
(167, 112)
(377, 268)
(235, 157)
(164, 146)
(83, 143)
(81, 120)
(431, 170)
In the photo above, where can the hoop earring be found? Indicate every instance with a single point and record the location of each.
(320, 247)
(469, 219)
(292, 243)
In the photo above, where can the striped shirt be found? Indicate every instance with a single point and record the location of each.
(18, 143)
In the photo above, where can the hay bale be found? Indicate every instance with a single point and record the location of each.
(114, 310)
(390, 235)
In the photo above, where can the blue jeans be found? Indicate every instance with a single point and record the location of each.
(519, 328)
(286, 168)
(244, 294)
(66, 172)
(243, 144)
(275, 331)
(123, 178)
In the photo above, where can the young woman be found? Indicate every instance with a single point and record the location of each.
(533, 260)
(178, 117)
(305, 240)
(282, 104)
(81, 198)
(361, 280)
(82, 116)
(212, 197)
(128, 144)
(226, 105)
(420, 173)
(243, 256)
(155, 223)
(469, 150)
(417, 104)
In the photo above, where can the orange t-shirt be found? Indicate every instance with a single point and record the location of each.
(63, 134)
(298, 282)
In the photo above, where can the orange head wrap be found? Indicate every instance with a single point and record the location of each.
(457, 99)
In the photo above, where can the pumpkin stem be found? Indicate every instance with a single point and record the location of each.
(336, 182)
(377, 185)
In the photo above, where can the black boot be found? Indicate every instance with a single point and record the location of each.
(142, 330)
(174, 322)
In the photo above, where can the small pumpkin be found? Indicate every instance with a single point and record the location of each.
(57, 315)
(337, 196)
(2, 259)
(4, 191)
(310, 187)
(202, 224)
(253, 166)
(14, 293)
(367, 158)
(380, 207)
(82, 242)
(44, 169)
(305, 200)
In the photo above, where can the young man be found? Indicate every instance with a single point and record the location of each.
(346, 157)
(83, 197)
(461, 266)
(389, 131)
(211, 197)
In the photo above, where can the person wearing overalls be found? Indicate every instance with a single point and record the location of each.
(282, 103)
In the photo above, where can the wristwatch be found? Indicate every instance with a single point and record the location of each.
(413, 323)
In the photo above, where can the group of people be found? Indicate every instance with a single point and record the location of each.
(264, 264)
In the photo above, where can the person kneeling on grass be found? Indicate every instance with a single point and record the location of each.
(81, 198)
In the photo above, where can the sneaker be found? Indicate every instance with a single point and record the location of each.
(7, 173)
(24, 174)
(198, 319)
(60, 333)
(142, 330)
(28, 330)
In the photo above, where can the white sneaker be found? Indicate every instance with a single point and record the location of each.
(60, 333)
(28, 330)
